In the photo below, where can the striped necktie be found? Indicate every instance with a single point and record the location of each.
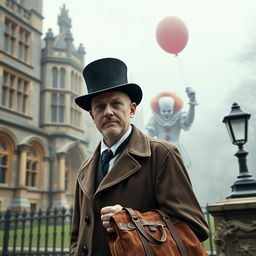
(106, 156)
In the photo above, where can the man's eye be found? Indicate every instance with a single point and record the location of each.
(99, 107)
(117, 103)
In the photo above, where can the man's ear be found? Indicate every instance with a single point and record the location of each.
(133, 109)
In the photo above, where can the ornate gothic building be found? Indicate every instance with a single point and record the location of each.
(43, 134)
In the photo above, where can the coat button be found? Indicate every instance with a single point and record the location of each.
(87, 220)
(84, 251)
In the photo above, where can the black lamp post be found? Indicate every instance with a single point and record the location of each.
(237, 126)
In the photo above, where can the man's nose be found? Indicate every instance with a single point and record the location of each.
(108, 110)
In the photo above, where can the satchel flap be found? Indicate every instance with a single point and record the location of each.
(131, 226)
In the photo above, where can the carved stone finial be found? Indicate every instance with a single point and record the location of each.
(64, 21)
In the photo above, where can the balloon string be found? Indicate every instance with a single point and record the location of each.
(181, 70)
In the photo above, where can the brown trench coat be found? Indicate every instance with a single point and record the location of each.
(149, 174)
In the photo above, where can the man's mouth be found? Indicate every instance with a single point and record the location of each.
(110, 122)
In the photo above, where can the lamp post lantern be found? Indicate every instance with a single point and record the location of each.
(237, 126)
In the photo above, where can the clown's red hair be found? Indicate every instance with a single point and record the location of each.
(178, 102)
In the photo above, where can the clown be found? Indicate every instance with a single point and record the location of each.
(168, 119)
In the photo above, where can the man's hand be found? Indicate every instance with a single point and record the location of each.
(191, 94)
(106, 213)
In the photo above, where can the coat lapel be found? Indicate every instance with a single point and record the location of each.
(87, 173)
(125, 166)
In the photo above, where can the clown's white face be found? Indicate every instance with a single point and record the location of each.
(166, 105)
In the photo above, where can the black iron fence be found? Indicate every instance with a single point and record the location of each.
(29, 233)
(48, 233)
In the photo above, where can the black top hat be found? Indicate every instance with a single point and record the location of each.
(108, 74)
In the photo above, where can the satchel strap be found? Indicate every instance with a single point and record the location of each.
(179, 242)
(146, 246)
(139, 225)
(130, 225)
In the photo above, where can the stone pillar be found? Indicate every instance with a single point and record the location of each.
(59, 196)
(20, 200)
(22, 165)
(61, 172)
(235, 226)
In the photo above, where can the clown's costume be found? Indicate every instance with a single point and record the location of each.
(168, 119)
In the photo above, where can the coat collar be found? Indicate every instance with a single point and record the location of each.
(125, 166)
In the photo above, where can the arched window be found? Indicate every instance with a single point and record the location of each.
(4, 155)
(62, 78)
(54, 77)
(5, 159)
(32, 167)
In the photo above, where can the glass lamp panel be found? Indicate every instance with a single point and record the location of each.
(227, 123)
(238, 126)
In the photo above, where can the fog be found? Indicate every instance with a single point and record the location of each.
(217, 62)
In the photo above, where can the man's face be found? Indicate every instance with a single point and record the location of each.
(111, 112)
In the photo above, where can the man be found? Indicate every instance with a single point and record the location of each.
(145, 174)
(169, 119)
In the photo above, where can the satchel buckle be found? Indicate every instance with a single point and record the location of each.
(152, 228)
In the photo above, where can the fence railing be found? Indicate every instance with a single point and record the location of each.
(48, 233)
(29, 233)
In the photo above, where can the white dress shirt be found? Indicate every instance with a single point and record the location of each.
(114, 147)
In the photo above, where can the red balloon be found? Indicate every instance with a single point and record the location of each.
(172, 34)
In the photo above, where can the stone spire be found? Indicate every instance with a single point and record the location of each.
(64, 21)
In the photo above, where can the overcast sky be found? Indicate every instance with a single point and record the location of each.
(220, 32)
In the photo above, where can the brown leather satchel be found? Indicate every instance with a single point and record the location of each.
(151, 233)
